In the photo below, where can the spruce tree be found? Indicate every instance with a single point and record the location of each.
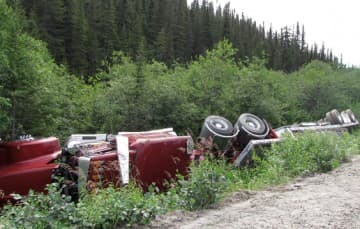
(76, 33)
(81, 34)
(50, 20)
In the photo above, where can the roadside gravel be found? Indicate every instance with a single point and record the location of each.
(330, 200)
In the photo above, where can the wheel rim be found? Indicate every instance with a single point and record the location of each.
(253, 125)
(219, 126)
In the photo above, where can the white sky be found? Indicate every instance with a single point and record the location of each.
(336, 23)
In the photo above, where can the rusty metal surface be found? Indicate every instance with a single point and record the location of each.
(103, 174)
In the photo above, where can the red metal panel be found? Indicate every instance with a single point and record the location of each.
(21, 181)
(153, 160)
(27, 165)
(160, 159)
(18, 151)
(4, 158)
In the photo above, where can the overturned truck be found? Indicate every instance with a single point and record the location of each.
(89, 161)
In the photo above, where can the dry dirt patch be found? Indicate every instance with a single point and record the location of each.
(330, 200)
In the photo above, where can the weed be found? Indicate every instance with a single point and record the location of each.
(205, 186)
(109, 207)
(303, 155)
(38, 210)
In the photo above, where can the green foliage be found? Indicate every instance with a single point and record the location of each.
(208, 181)
(81, 34)
(40, 98)
(106, 208)
(38, 210)
(109, 207)
(37, 96)
(139, 95)
(4, 119)
(205, 186)
(304, 155)
(318, 88)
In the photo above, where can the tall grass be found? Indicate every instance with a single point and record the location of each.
(303, 155)
(209, 181)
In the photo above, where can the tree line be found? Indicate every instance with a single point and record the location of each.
(81, 34)
(40, 97)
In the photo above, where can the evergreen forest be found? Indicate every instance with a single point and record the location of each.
(86, 66)
(80, 34)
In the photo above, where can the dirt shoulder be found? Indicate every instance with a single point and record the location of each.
(330, 200)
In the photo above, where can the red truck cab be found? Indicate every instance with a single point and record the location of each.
(26, 164)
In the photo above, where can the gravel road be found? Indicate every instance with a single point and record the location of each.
(330, 200)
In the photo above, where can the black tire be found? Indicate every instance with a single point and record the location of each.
(336, 117)
(328, 117)
(345, 117)
(219, 125)
(253, 125)
(351, 115)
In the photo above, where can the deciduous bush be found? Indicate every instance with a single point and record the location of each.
(51, 210)
(303, 155)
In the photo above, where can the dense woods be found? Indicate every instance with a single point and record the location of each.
(134, 88)
(82, 33)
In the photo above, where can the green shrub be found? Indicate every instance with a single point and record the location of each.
(38, 210)
(107, 208)
(110, 207)
(206, 184)
(306, 154)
